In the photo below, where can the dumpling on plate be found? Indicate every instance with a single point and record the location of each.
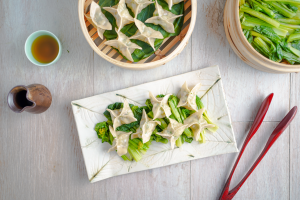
(122, 116)
(188, 97)
(146, 128)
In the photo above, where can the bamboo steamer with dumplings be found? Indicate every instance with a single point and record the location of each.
(170, 48)
(243, 49)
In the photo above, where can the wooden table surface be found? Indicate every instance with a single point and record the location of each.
(40, 155)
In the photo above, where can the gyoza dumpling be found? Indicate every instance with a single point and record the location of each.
(187, 97)
(172, 2)
(163, 18)
(124, 45)
(99, 19)
(160, 106)
(173, 131)
(120, 142)
(121, 14)
(122, 116)
(146, 128)
(197, 123)
(146, 34)
(137, 5)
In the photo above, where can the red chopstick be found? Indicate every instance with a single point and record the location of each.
(226, 194)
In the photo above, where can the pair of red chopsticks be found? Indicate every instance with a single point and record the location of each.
(226, 194)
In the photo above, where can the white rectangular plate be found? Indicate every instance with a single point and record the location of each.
(101, 165)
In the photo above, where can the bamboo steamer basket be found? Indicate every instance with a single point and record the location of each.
(170, 48)
(244, 49)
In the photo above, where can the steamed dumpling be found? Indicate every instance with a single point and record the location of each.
(197, 123)
(99, 19)
(120, 142)
(163, 18)
(172, 2)
(188, 97)
(137, 5)
(160, 108)
(121, 14)
(122, 116)
(124, 45)
(173, 131)
(146, 128)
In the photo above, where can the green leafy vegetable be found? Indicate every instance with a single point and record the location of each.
(272, 28)
(103, 132)
(269, 33)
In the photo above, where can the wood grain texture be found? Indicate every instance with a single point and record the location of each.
(40, 155)
(270, 180)
(295, 140)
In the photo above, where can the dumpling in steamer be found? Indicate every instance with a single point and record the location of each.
(188, 97)
(121, 14)
(124, 45)
(120, 142)
(163, 18)
(99, 19)
(146, 34)
(137, 5)
(172, 2)
(146, 128)
(122, 116)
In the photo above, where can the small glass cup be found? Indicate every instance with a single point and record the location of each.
(29, 42)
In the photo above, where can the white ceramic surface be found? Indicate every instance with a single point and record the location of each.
(101, 165)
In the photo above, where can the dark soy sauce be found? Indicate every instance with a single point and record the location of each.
(21, 99)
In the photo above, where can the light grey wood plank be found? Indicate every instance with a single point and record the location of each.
(243, 85)
(40, 155)
(270, 180)
(295, 139)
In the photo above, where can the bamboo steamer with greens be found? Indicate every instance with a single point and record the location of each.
(137, 34)
(265, 33)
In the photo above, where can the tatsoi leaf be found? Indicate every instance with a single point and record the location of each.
(149, 104)
(186, 113)
(269, 33)
(285, 46)
(248, 36)
(292, 7)
(296, 44)
(291, 58)
(277, 56)
(146, 51)
(146, 13)
(108, 3)
(129, 29)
